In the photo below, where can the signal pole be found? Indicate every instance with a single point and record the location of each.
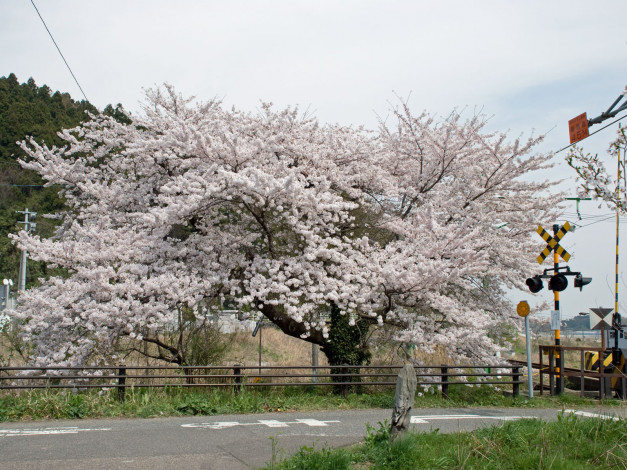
(556, 299)
(616, 319)
(615, 351)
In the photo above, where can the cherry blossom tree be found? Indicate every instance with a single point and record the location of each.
(421, 225)
(595, 179)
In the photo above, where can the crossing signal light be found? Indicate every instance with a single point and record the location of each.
(558, 283)
(581, 281)
(535, 284)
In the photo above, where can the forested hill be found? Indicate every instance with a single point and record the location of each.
(29, 110)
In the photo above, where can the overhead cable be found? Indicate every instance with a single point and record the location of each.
(58, 49)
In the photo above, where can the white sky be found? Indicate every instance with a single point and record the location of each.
(532, 65)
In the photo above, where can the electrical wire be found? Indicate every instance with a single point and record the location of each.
(590, 216)
(58, 49)
(606, 219)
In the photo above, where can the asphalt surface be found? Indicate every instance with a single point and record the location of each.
(224, 441)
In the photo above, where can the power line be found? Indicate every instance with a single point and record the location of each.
(584, 217)
(60, 53)
(608, 218)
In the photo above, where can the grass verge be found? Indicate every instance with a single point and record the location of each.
(176, 401)
(570, 443)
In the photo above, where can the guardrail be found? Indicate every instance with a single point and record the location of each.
(344, 377)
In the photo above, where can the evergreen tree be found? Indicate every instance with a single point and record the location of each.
(29, 110)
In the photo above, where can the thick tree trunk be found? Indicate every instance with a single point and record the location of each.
(345, 346)
(291, 327)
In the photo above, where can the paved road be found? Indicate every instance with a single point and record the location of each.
(217, 442)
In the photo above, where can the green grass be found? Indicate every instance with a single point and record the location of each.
(144, 403)
(485, 395)
(570, 443)
(178, 401)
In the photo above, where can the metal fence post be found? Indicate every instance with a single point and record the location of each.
(517, 376)
(237, 372)
(344, 371)
(121, 383)
(444, 380)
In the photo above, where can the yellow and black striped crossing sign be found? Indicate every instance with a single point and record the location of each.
(552, 243)
(591, 361)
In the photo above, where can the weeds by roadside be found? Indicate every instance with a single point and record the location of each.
(569, 443)
(177, 401)
(146, 403)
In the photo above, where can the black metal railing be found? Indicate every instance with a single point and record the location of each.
(344, 377)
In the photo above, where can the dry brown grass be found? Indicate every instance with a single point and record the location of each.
(571, 358)
(277, 349)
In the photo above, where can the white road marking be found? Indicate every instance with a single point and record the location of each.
(45, 431)
(315, 422)
(271, 423)
(418, 420)
(587, 414)
(426, 419)
(216, 425)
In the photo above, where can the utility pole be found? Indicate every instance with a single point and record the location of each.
(255, 331)
(29, 225)
(7, 293)
(314, 361)
(616, 318)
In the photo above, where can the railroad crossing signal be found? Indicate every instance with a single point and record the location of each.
(552, 243)
(602, 318)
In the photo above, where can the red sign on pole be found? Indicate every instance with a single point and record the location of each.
(578, 128)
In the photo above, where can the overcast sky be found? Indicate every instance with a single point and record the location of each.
(531, 65)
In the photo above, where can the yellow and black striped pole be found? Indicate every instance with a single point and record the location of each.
(556, 297)
(617, 226)
(615, 353)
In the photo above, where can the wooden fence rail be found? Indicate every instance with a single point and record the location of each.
(344, 378)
